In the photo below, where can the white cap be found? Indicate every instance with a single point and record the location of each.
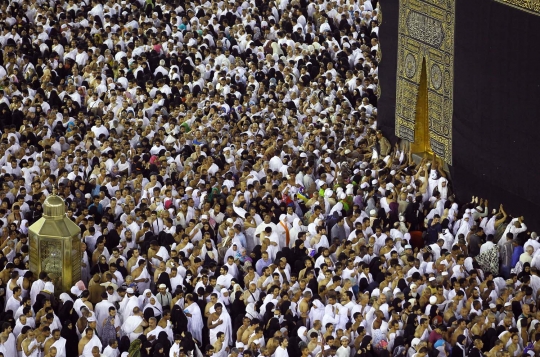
(432, 279)
(372, 213)
(433, 300)
(204, 216)
(130, 291)
(492, 306)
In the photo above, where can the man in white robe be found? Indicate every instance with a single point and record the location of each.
(11, 341)
(131, 324)
(94, 342)
(59, 343)
(131, 302)
(195, 321)
(222, 324)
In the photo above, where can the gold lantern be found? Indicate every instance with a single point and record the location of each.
(55, 245)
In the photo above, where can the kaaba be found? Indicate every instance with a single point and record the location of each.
(462, 79)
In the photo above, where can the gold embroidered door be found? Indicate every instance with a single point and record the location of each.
(425, 75)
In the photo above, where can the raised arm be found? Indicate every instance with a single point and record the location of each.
(503, 219)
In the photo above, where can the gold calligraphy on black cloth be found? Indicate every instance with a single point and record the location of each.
(426, 30)
(532, 6)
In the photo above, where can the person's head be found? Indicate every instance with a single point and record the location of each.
(95, 351)
(89, 333)
(162, 289)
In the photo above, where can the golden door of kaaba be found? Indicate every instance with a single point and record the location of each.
(426, 35)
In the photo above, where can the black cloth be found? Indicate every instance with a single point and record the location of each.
(67, 313)
(432, 233)
(113, 240)
(481, 93)
(187, 343)
(457, 351)
(475, 352)
(72, 340)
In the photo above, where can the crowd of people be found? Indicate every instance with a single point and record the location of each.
(234, 193)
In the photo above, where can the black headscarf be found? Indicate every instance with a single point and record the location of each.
(268, 314)
(238, 308)
(366, 341)
(123, 346)
(187, 342)
(40, 302)
(299, 253)
(121, 268)
(157, 347)
(164, 279)
(410, 328)
(256, 254)
(72, 339)
(375, 269)
(67, 313)
(100, 267)
(523, 272)
(163, 340)
(148, 313)
(396, 303)
(179, 320)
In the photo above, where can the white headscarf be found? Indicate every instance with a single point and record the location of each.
(443, 190)
(452, 212)
(301, 333)
(251, 313)
(464, 228)
(317, 311)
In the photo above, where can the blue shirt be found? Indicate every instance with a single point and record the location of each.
(261, 264)
(242, 238)
(517, 253)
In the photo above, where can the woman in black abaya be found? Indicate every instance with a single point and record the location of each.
(238, 308)
(365, 349)
(179, 320)
(163, 340)
(188, 343)
(67, 313)
(72, 339)
(164, 279)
